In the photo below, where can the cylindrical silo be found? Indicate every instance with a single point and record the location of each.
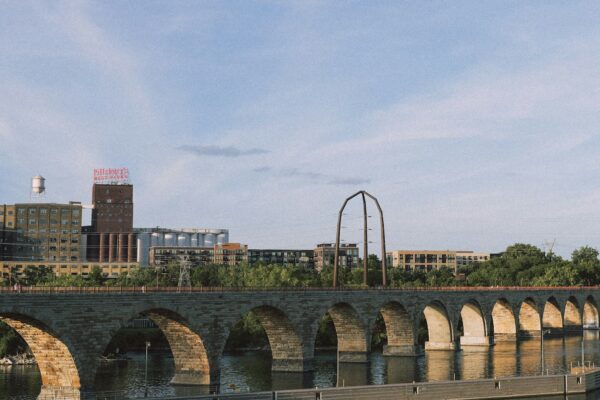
(209, 239)
(200, 240)
(170, 239)
(143, 245)
(157, 239)
(183, 240)
(221, 238)
(194, 240)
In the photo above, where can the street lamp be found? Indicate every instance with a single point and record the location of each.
(146, 372)
(542, 336)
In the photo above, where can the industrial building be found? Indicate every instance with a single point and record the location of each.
(110, 237)
(40, 232)
(160, 255)
(172, 239)
(324, 255)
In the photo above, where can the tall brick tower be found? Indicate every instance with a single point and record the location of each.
(111, 238)
(113, 208)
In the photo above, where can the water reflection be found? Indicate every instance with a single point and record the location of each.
(474, 363)
(251, 371)
(439, 366)
(504, 359)
(398, 370)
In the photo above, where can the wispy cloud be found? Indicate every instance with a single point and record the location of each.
(316, 177)
(221, 151)
(349, 181)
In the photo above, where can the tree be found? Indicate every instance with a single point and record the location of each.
(558, 274)
(584, 254)
(585, 260)
(95, 277)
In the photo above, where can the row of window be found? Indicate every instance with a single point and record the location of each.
(33, 221)
(53, 211)
(51, 230)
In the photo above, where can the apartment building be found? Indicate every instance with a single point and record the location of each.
(324, 255)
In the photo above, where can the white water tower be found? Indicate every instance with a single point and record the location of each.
(38, 187)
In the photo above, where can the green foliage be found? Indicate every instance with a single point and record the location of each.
(585, 261)
(247, 333)
(379, 336)
(326, 336)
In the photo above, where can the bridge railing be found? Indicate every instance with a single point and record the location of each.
(207, 289)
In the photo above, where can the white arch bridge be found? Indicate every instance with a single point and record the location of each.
(68, 329)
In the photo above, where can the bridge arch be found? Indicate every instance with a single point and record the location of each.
(439, 327)
(192, 365)
(530, 324)
(58, 369)
(552, 316)
(190, 358)
(286, 345)
(503, 318)
(399, 328)
(475, 331)
(590, 314)
(572, 315)
(352, 341)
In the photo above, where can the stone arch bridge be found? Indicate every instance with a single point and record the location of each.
(67, 330)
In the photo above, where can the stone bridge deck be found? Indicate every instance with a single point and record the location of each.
(68, 328)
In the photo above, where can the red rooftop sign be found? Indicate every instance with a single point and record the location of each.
(111, 175)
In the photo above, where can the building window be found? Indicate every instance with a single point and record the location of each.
(54, 211)
(32, 221)
(20, 211)
(43, 211)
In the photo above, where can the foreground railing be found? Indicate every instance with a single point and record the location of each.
(208, 289)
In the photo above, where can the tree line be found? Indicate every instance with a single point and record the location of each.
(519, 265)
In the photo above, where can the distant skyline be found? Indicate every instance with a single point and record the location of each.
(475, 124)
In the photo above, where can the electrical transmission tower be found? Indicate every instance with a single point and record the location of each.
(549, 245)
(185, 281)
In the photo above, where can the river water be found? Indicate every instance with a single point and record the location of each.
(251, 371)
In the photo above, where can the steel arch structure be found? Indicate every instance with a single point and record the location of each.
(363, 193)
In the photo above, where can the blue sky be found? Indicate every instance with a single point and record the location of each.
(476, 124)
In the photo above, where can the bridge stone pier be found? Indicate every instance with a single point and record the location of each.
(68, 331)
